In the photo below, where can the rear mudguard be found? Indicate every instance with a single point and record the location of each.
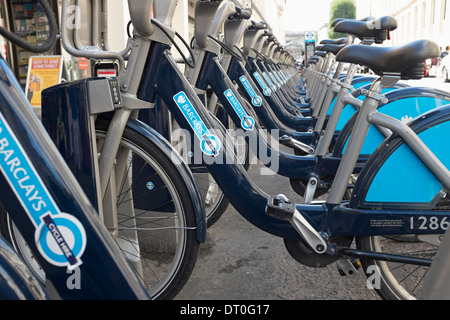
(357, 83)
(183, 170)
(349, 111)
(394, 177)
(404, 104)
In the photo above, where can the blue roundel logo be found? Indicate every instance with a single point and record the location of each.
(248, 123)
(267, 91)
(61, 239)
(210, 145)
(256, 101)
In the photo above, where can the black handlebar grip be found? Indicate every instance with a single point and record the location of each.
(258, 25)
(246, 14)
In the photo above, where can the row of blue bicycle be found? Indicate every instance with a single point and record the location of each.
(112, 194)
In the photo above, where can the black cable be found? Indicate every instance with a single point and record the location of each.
(32, 47)
(128, 29)
(162, 28)
(242, 54)
(261, 56)
(226, 48)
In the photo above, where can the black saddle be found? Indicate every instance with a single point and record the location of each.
(334, 41)
(320, 53)
(318, 47)
(377, 28)
(336, 21)
(333, 48)
(408, 60)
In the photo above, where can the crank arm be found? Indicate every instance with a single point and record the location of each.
(280, 208)
(289, 141)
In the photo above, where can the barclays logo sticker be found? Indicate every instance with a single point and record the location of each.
(60, 237)
(247, 122)
(256, 100)
(209, 143)
(266, 77)
(265, 89)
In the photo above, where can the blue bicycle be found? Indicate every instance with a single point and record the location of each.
(378, 212)
(47, 205)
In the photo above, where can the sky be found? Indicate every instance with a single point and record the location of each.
(302, 15)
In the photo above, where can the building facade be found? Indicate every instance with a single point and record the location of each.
(417, 19)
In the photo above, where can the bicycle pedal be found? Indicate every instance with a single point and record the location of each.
(280, 208)
(348, 267)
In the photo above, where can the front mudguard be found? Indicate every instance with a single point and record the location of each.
(17, 282)
(183, 170)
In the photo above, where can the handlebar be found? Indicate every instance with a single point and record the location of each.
(268, 33)
(241, 14)
(140, 16)
(258, 25)
(36, 48)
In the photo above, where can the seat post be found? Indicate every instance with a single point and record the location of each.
(351, 155)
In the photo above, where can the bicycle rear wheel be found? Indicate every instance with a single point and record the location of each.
(391, 280)
(151, 219)
(397, 281)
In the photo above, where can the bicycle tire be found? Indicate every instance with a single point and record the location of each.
(386, 277)
(395, 281)
(379, 276)
(163, 267)
(188, 246)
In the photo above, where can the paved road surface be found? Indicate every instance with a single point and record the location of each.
(241, 262)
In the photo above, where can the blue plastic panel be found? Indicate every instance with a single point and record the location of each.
(404, 178)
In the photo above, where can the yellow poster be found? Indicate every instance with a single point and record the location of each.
(43, 72)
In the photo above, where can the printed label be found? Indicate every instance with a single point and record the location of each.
(275, 79)
(256, 100)
(60, 237)
(266, 90)
(209, 144)
(277, 76)
(247, 122)
(281, 77)
(271, 85)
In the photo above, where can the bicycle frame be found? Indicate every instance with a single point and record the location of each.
(94, 174)
(154, 73)
(332, 217)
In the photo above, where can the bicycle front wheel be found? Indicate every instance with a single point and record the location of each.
(149, 213)
(154, 221)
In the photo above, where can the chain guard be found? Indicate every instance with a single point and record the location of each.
(302, 253)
